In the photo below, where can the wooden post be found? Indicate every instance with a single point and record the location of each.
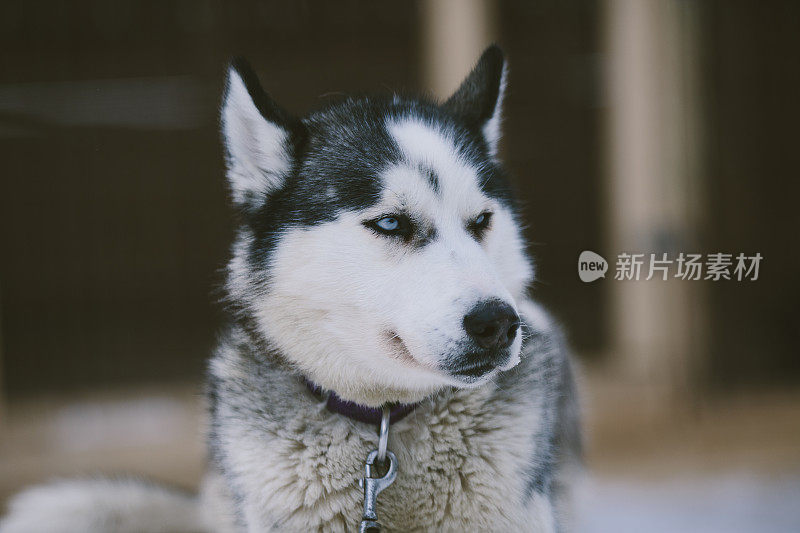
(454, 34)
(652, 187)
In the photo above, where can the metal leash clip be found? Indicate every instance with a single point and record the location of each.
(373, 483)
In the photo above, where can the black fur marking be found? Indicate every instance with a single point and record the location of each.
(432, 176)
(268, 108)
(557, 439)
(476, 99)
(540, 475)
(347, 148)
(426, 237)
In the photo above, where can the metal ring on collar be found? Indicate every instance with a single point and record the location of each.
(383, 435)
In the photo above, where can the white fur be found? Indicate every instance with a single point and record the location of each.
(491, 130)
(97, 506)
(258, 155)
(336, 289)
(463, 455)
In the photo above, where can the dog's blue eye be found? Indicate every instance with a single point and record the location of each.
(388, 224)
(482, 220)
(392, 225)
(479, 224)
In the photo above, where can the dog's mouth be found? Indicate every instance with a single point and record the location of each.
(476, 366)
(475, 371)
(479, 366)
(400, 350)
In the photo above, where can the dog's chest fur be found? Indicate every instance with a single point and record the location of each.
(469, 460)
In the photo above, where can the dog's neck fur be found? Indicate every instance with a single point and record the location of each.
(357, 391)
(353, 388)
(492, 453)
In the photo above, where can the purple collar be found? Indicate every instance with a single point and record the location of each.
(354, 411)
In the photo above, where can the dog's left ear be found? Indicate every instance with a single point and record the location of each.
(262, 140)
(479, 99)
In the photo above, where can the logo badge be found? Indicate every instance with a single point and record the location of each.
(591, 266)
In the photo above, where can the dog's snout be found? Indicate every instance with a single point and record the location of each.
(492, 324)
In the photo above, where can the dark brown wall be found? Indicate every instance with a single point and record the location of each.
(751, 55)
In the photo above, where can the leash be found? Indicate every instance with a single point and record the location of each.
(373, 482)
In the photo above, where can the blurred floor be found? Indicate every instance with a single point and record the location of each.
(732, 465)
(155, 433)
(731, 503)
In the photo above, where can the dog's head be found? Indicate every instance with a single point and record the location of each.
(378, 251)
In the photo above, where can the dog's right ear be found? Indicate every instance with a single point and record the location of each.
(261, 138)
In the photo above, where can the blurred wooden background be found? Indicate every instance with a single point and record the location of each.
(647, 125)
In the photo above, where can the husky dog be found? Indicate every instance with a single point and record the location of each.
(379, 261)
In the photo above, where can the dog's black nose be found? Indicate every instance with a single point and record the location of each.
(492, 324)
